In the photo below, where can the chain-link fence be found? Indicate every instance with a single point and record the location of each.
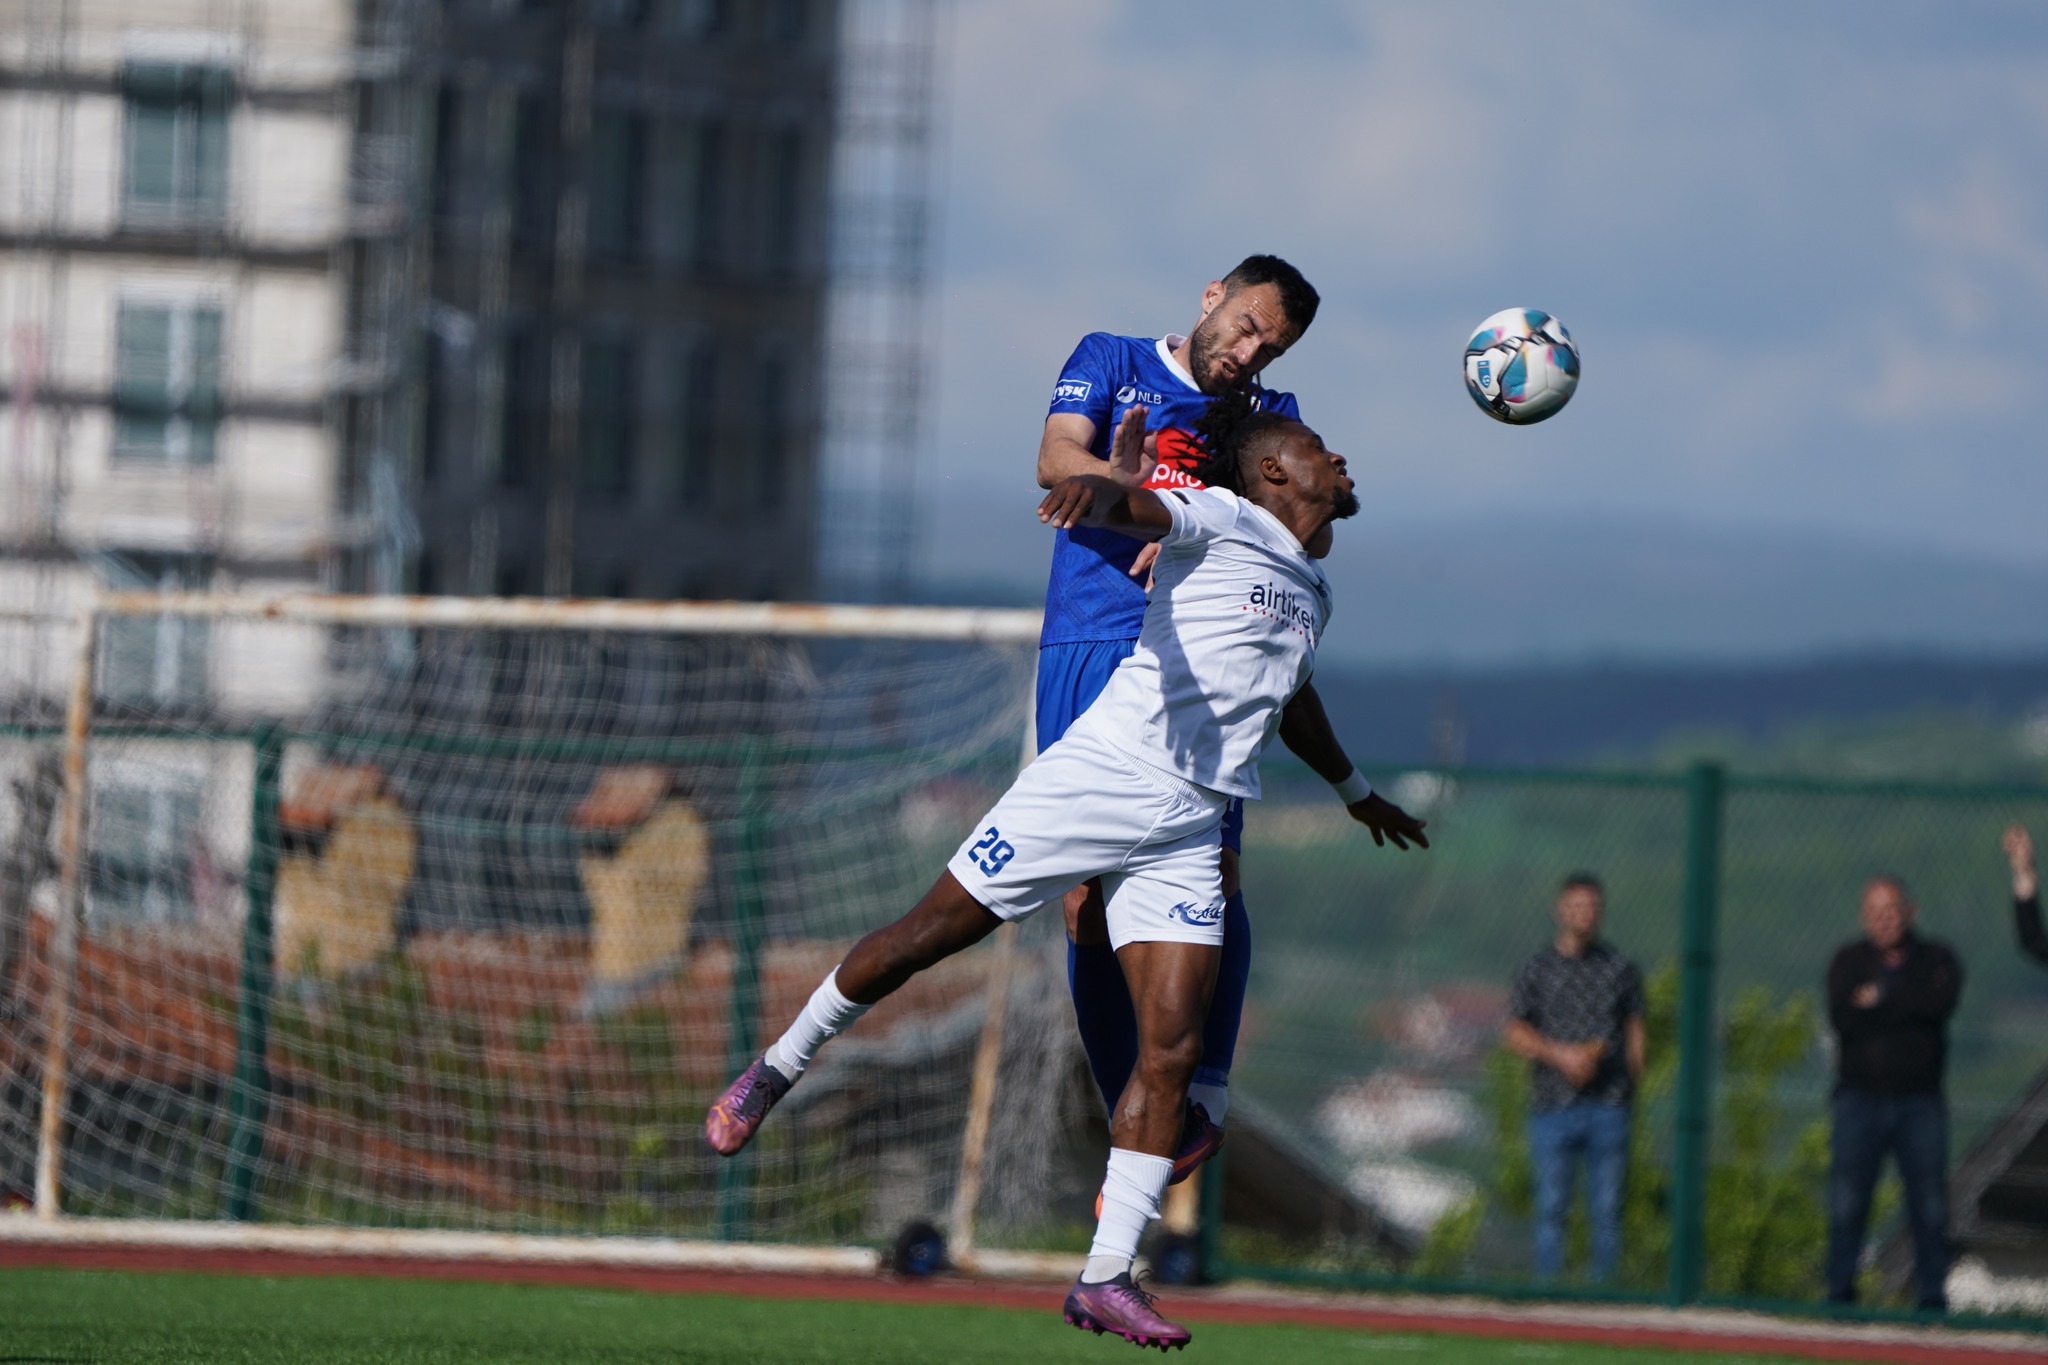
(1373, 1079)
(463, 928)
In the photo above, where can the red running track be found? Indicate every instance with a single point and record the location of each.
(1192, 1306)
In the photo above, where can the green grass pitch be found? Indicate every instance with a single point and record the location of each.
(114, 1318)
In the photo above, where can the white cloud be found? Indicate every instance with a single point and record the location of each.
(1803, 260)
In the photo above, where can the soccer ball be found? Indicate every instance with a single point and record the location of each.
(1521, 366)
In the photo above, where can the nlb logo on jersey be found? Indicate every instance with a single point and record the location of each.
(1201, 916)
(1071, 391)
(1131, 393)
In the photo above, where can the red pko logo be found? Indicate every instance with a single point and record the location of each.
(1178, 456)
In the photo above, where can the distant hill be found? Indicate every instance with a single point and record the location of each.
(1553, 639)
(1565, 590)
(1567, 714)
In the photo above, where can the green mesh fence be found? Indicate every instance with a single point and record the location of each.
(1371, 1077)
(494, 1048)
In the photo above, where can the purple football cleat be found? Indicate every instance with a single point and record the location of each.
(1199, 1140)
(736, 1115)
(1121, 1307)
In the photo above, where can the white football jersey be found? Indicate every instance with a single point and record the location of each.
(1229, 637)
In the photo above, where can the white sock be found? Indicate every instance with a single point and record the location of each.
(825, 1014)
(1214, 1098)
(1130, 1200)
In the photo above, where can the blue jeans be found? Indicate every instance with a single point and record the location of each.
(1914, 1129)
(1596, 1133)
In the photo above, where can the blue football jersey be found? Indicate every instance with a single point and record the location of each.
(1091, 595)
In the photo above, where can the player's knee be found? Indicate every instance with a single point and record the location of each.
(939, 927)
(1171, 1060)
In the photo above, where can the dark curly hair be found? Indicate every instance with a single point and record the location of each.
(1229, 434)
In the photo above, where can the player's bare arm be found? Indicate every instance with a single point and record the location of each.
(1064, 449)
(1117, 500)
(1133, 451)
(1305, 729)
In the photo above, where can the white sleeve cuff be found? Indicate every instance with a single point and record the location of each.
(1353, 789)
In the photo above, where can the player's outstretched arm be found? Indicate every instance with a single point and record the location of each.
(1064, 450)
(1120, 502)
(1305, 728)
(1094, 500)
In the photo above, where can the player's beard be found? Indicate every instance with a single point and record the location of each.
(1347, 505)
(1202, 357)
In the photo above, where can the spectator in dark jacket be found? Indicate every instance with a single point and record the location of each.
(2026, 894)
(1890, 995)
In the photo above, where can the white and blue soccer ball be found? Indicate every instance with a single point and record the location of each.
(1521, 366)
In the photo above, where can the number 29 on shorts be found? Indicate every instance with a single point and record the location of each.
(992, 852)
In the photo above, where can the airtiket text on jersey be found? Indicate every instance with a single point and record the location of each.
(1290, 608)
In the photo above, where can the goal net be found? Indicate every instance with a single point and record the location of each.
(457, 913)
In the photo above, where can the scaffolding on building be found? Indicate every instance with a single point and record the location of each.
(374, 73)
(877, 328)
(315, 184)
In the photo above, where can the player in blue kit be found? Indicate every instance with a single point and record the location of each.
(1095, 603)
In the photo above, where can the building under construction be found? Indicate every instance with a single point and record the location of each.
(478, 296)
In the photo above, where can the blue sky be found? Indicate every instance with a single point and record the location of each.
(1804, 249)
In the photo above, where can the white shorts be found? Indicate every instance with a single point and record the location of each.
(1083, 809)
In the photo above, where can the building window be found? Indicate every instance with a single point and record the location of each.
(618, 168)
(771, 434)
(447, 156)
(707, 199)
(699, 18)
(697, 424)
(534, 129)
(155, 662)
(608, 431)
(175, 153)
(688, 177)
(145, 834)
(624, 13)
(787, 21)
(167, 382)
(523, 436)
(784, 178)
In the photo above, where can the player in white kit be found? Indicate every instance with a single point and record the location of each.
(1134, 793)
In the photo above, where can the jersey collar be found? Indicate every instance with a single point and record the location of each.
(1278, 528)
(1167, 345)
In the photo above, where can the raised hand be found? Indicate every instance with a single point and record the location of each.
(2019, 852)
(1388, 821)
(1141, 567)
(1133, 451)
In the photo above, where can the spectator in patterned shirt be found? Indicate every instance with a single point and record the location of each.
(1577, 1015)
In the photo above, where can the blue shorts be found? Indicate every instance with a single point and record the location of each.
(1071, 677)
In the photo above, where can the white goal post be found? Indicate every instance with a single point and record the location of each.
(446, 913)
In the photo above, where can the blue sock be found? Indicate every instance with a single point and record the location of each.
(1102, 1009)
(1226, 1006)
